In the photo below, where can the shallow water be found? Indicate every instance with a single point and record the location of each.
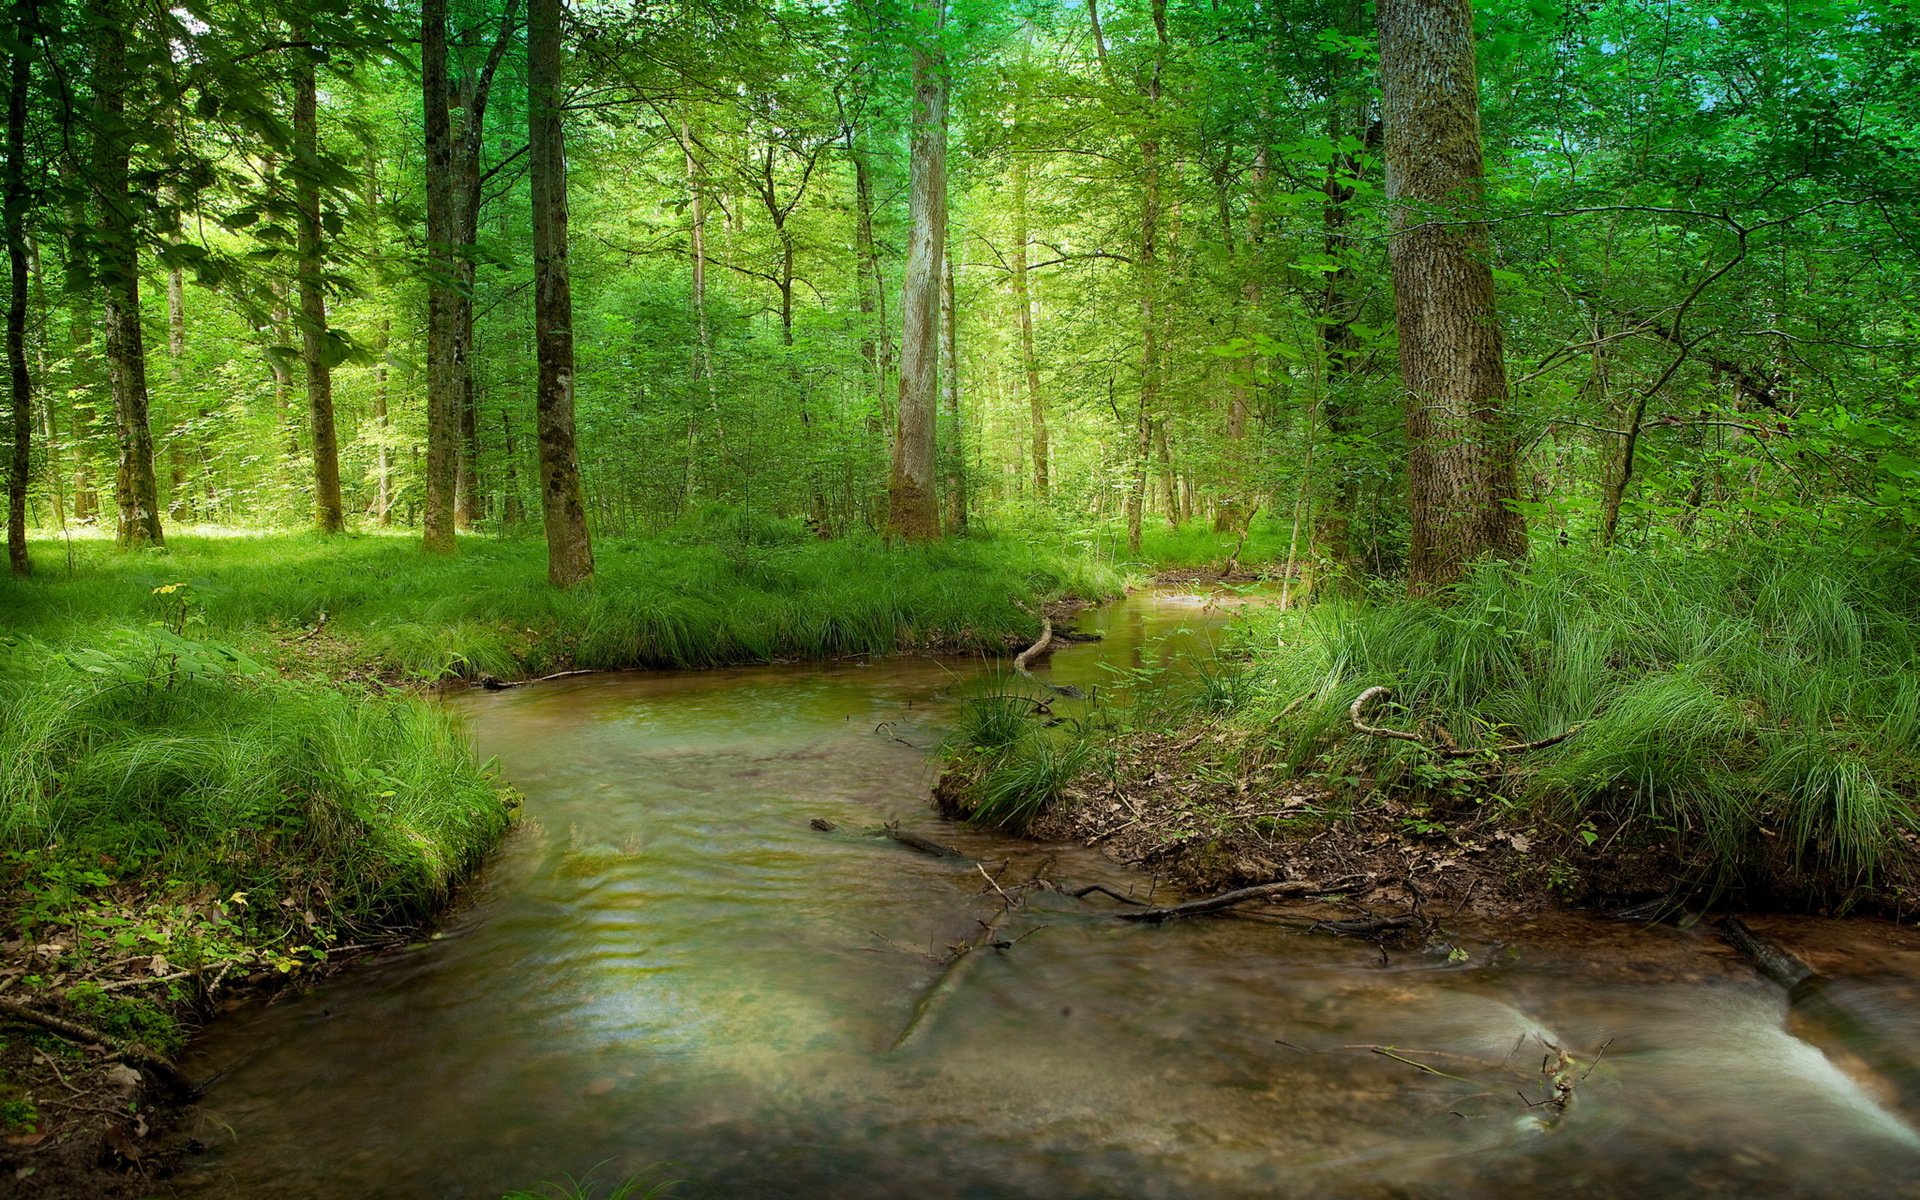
(667, 965)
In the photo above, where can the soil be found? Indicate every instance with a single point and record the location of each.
(1199, 811)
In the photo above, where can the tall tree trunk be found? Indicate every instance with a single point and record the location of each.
(866, 264)
(179, 494)
(1340, 348)
(443, 416)
(1461, 476)
(569, 553)
(697, 254)
(1146, 265)
(912, 514)
(466, 165)
(328, 511)
(56, 480)
(954, 486)
(1023, 310)
(383, 461)
(511, 511)
(136, 490)
(20, 467)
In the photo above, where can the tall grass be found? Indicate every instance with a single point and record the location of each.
(1748, 704)
(364, 807)
(675, 601)
(1018, 759)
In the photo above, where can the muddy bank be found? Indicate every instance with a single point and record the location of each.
(1203, 812)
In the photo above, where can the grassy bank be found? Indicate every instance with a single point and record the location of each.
(1749, 722)
(697, 597)
(206, 776)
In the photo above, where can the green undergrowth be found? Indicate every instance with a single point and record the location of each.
(1761, 708)
(1012, 754)
(172, 813)
(710, 592)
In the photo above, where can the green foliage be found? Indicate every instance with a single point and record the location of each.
(677, 601)
(1020, 758)
(357, 805)
(1742, 704)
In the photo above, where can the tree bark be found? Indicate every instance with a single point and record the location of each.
(1023, 308)
(1461, 475)
(1146, 265)
(953, 488)
(437, 534)
(20, 467)
(136, 490)
(569, 553)
(912, 514)
(328, 510)
(383, 462)
(866, 263)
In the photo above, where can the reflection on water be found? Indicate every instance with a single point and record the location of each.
(667, 965)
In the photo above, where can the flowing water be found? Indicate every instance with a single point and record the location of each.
(667, 971)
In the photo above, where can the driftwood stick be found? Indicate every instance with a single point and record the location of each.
(1288, 889)
(912, 840)
(163, 1069)
(1039, 647)
(500, 685)
(1104, 890)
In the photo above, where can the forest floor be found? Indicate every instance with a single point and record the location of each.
(1581, 731)
(218, 775)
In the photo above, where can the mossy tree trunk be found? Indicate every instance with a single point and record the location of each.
(1461, 476)
(329, 514)
(443, 415)
(569, 552)
(912, 511)
(136, 489)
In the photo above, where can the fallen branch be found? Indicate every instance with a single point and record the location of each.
(163, 1069)
(1287, 889)
(912, 840)
(1039, 647)
(1362, 926)
(1450, 749)
(500, 685)
(1769, 958)
(1104, 890)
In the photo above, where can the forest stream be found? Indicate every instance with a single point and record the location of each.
(667, 971)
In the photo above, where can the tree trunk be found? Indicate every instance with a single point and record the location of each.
(328, 510)
(1339, 308)
(1146, 266)
(954, 486)
(866, 264)
(511, 512)
(443, 399)
(20, 466)
(136, 490)
(466, 164)
(697, 253)
(912, 514)
(383, 462)
(1023, 309)
(569, 553)
(1461, 476)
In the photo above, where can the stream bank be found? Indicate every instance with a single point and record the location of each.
(670, 962)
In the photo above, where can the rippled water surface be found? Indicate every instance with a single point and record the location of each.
(667, 965)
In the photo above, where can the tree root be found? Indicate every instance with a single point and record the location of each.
(1448, 747)
(162, 1068)
(1288, 889)
(1038, 648)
